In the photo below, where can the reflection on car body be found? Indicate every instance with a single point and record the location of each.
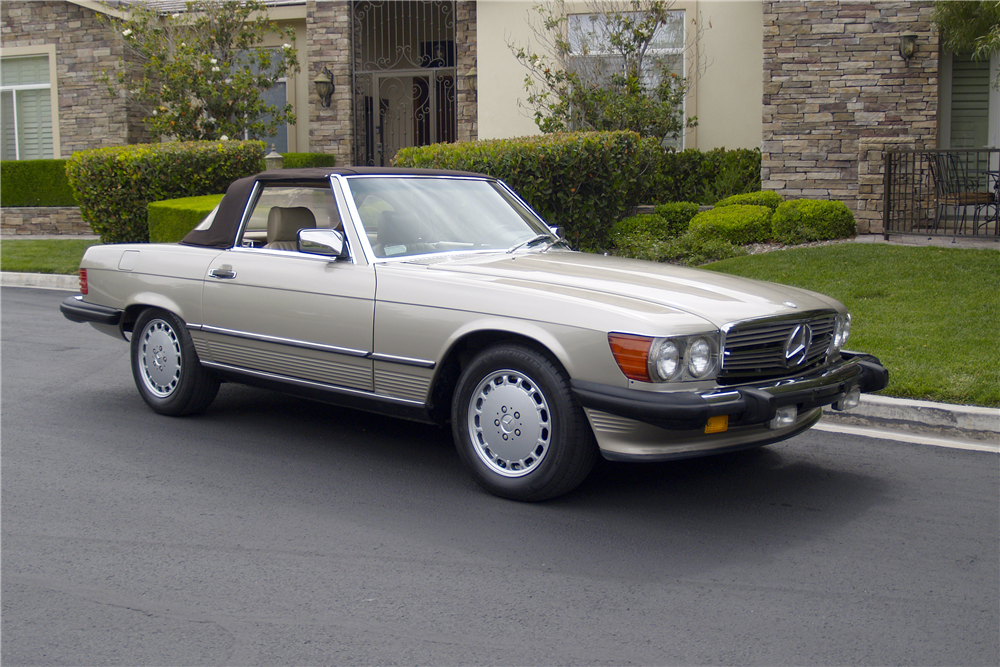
(442, 296)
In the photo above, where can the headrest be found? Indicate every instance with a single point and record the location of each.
(283, 224)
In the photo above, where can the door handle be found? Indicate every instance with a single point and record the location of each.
(223, 273)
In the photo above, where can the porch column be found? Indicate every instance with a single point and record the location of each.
(328, 30)
(871, 168)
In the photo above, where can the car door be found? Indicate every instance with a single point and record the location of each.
(286, 314)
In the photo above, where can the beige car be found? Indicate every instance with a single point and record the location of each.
(440, 296)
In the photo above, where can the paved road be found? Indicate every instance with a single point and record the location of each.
(272, 531)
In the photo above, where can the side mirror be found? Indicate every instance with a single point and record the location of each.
(324, 242)
(558, 231)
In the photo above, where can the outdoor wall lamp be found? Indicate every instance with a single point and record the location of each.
(324, 86)
(907, 45)
(472, 77)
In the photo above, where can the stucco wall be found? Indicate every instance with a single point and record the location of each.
(88, 115)
(725, 94)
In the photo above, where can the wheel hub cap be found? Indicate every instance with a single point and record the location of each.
(160, 358)
(509, 422)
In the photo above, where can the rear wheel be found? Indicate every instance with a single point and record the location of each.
(518, 428)
(165, 366)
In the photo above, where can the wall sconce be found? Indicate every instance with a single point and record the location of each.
(907, 45)
(324, 86)
(472, 77)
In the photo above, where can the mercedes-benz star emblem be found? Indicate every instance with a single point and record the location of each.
(797, 345)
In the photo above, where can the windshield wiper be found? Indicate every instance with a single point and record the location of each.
(529, 242)
(552, 244)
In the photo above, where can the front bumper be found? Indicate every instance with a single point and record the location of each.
(745, 405)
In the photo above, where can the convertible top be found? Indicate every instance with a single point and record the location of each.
(222, 232)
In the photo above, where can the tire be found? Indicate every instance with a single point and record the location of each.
(518, 428)
(165, 366)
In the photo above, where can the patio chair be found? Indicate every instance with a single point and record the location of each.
(954, 188)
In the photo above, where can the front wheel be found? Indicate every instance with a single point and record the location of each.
(165, 366)
(518, 428)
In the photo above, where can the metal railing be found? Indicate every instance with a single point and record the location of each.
(942, 192)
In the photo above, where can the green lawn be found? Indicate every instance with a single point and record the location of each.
(43, 256)
(931, 314)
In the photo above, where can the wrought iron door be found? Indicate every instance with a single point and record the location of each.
(404, 76)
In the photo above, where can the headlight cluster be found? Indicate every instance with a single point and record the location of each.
(671, 359)
(841, 332)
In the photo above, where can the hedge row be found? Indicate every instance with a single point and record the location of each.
(115, 185)
(679, 232)
(35, 183)
(170, 221)
(580, 181)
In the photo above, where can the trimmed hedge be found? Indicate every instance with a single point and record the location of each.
(739, 224)
(770, 199)
(804, 220)
(581, 181)
(170, 221)
(35, 183)
(695, 176)
(115, 185)
(300, 160)
(677, 216)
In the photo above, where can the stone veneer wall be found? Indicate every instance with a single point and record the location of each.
(329, 44)
(836, 91)
(89, 117)
(33, 221)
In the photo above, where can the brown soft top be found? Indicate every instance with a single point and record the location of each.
(225, 226)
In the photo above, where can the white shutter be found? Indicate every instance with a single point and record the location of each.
(26, 112)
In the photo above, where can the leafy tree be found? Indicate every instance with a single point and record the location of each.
(201, 74)
(603, 71)
(970, 27)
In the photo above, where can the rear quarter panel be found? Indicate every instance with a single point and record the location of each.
(162, 275)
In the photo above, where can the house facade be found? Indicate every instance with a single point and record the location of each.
(821, 87)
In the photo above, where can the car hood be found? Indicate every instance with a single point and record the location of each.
(719, 298)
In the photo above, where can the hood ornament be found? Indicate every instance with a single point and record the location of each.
(791, 304)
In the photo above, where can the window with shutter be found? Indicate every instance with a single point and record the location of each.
(25, 108)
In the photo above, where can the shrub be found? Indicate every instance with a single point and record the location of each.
(636, 236)
(804, 220)
(694, 249)
(300, 160)
(35, 183)
(580, 181)
(677, 215)
(767, 198)
(695, 176)
(170, 221)
(115, 185)
(739, 224)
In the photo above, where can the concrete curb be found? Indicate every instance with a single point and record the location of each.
(921, 417)
(42, 280)
(962, 422)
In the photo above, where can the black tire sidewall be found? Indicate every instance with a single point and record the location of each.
(571, 438)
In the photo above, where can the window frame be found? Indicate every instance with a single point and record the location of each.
(49, 50)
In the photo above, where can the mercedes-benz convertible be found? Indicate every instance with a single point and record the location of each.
(443, 297)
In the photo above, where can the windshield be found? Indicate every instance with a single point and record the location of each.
(405, 216)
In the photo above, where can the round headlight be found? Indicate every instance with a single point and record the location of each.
(666, 360)
(842, 331)
(699, 357)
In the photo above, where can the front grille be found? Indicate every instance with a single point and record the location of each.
(756, 350)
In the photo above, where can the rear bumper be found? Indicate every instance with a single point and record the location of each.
(745, 405)
(76, 309)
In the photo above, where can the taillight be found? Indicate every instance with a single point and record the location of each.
(83, 281)
(632, 354)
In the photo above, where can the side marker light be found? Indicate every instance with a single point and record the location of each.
(719, 424)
